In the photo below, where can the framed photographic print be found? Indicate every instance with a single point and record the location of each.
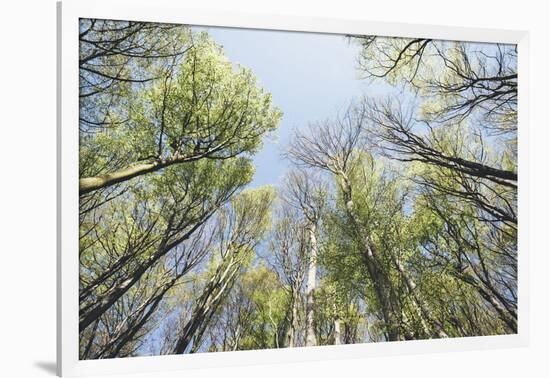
(251, 188)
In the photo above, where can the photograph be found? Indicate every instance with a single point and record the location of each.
(250, 189)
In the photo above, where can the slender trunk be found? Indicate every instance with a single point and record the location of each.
(384, 292)
(509, 318)
(89, 344)
(311, 285)
(129, 335)
(237, 339)
(503, 314)
(380, 279)
(112, 270)
(88, 314)
(89, 184)
(337, 329)
(291, 337)
(201, 314)
(337, 332)
(486, 281)
(208, 302)
(422, 307)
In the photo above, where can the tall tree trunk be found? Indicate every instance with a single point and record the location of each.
(380, 279)
(208, 302)
(89, 184)
(337, 331)
(88, 314)
(91, 312)
(384, 290)
(291, 336)
(121, 341)
(435, 328)
(311, 285)
(507, 316)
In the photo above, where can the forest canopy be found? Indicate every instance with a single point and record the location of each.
(396, 218)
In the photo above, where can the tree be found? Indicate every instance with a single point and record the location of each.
(332, 147)
(308, 195)
(462, 79)
(289, 247)
(240, 228)
(123, 242)
(468, 96)
(118, 57)
(253, 316)
(203, 108)
(153, 96)
(123, 328)
(461, 143)
(338, 147)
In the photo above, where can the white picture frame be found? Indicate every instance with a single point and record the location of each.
(69, 13)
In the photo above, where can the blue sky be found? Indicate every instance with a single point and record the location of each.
(311, 76)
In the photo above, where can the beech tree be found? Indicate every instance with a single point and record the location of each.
(240, 228)
(154, 96)
(332, 147)
(289, 245)
(202, 108)
(308, 195)
(395, 219)
(253, 316)
(468, 102)
(125, 242)
(121, 330)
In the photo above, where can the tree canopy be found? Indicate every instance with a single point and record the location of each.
(395, 220)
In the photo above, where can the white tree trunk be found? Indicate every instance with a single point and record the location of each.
(311, 284)
(294, 322)
(337, 332)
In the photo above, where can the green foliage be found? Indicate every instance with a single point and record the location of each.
(400, 223)
(269, 301)
(202, 106)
